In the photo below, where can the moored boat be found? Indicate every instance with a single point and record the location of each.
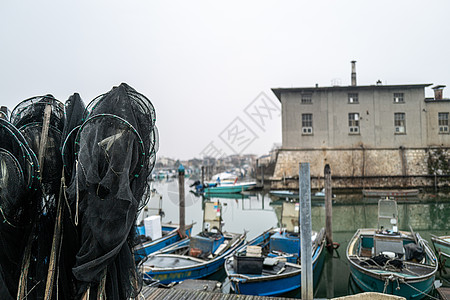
(170, 235)
(237, 187)
(391, 193)
(320, 195)
(277, 270)
(196, 257)
(441, 245)
(390, 261)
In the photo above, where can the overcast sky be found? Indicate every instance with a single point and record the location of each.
(208, 66)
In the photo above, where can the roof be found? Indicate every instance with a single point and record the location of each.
(279, 91)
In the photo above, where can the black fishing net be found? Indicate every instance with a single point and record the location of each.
(115, 150)
(40, 121)
(74, 110)
(18, 183)
(29, 116)
(107, 152)
(4, 113)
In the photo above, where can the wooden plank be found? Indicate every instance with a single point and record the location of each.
(152, 293)
(444, 293)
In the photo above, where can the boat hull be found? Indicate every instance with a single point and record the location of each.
(395, 282)
(172, 237)
(442, 247)
(189, 268)
(371, 283)
(390, 193)
(194, 272)
(228, 188)
(277, 284)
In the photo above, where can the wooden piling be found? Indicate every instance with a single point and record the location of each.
(328, 208)
(182, 200)
(305, 231)
(203, 174)
(262, 176)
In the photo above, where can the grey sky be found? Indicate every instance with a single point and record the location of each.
(203, 62)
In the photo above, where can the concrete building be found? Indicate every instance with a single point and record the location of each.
(371, 135)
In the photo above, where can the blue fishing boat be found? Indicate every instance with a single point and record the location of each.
(390, 261)
(170, 235)
(196, 257)
(276, 270)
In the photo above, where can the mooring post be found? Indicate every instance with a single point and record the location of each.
(305, 231)
(262, 175)
(203, 175)
(182, 200)
(328, 208)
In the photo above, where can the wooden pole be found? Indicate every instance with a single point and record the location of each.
(262, 175)
(328, 208)
(203, 174)
(305, 231)
(57, 239)
(182, 200)
(44, 136)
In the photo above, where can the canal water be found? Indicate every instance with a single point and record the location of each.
(255, 212)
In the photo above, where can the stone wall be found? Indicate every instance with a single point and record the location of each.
(361, 168)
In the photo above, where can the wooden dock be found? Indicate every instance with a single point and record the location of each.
(444, 293)
(152, 293)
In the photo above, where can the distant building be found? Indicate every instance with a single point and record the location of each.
(371, 135)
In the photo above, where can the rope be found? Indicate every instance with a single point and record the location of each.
(417, 290)
(6, 220)
(386, 283)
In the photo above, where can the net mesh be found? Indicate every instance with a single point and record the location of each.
(115, 149)
(107, 151)
(18, 176)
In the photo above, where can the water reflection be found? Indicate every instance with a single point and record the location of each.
(256, 212)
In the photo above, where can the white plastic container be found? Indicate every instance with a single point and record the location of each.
(152, 227)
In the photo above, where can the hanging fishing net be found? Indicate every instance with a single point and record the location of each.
(114, 150)
(4, 113)
(72, 180)
(74, 110)
(40, 121)
(18, 183)
(29, 117)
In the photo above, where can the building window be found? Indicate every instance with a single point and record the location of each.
(400, 123)
(353, 123)
(443, 122)
(398, 98)
(307, 124)
(306, 98)
(353, 98)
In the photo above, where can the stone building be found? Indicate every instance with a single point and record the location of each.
(370, 135)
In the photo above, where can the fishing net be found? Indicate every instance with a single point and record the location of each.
(41, 121)
(18, 176)
(74, 110)
(33, 109)
(29, 117)
(107, 152)
(115, 150)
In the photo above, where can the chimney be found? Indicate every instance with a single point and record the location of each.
(353, 72)
(438, 92)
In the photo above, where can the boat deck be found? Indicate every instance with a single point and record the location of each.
(409, 269)
(279, 268)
